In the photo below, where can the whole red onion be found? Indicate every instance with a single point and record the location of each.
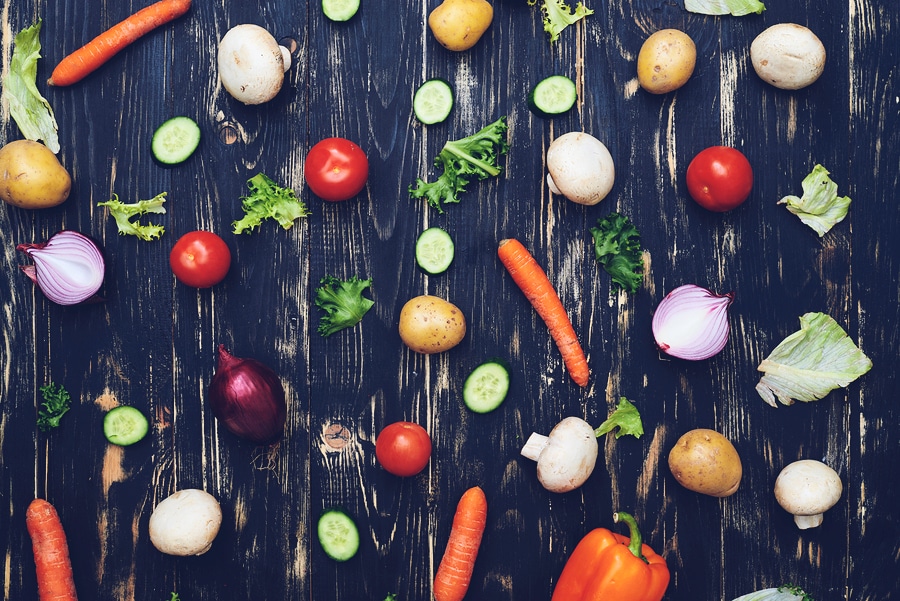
(248, 398)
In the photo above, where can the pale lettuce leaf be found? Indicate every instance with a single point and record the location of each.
(782, 593)
(557, 15)
(737, 8)
(810, 363)
(31, 111)
(820, 207)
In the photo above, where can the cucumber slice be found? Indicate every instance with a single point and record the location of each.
(434, 251)
(338, 534)
(433, 101)
(124, 425)
(552, 96)
(175, 140)
(486, 387)
(340, 10)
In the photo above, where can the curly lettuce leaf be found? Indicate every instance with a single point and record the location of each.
(475, 155)
(617, 247)
(268, 200)
(558, 15)
(28, 108)
(343, 303)
(737, 8)
(56, 403)
(626, 418)
(782, 593)
(124, 212)
(820, 207)
(811, 362)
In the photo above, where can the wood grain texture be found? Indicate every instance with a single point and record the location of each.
(152, 343)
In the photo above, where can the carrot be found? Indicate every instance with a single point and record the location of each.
(95, 53)
(455, 572)
(51, 553)
(532, 280)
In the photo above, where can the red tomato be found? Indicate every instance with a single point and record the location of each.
(719, 178)
(200, 259)
(403, 448)
(336, 169)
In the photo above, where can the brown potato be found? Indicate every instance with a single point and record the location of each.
(666, 61)
(459, 24)
(429, 324)
(705, 461)
(31, 177)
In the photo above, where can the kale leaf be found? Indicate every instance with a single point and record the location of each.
(56, 403)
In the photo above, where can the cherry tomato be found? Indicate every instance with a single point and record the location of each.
(200, 259)
(719, 178)
(403, 448)
(336, 169)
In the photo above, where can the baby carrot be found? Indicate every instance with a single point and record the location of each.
(51, 553)
(532, 280)
(455, 572)
(95, 53)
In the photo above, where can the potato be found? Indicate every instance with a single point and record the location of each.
(31, 177)
(666, 61)
(458, 24)
(429, 324)
(704, 461)
(788, 56)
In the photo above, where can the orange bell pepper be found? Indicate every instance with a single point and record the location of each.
(611, 567)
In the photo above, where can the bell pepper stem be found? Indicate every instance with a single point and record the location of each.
(635, 541)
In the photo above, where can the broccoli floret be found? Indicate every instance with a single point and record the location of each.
(475, 155)
(617, 247)
(343, 303)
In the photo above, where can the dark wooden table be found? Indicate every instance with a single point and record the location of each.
(152, 343)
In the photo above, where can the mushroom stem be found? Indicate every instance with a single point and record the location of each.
(534, 446)
(808, 521)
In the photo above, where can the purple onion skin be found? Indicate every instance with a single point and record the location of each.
(248, 398)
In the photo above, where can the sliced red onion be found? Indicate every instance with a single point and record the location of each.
(68, 268)
(247, 397)
(692, 323)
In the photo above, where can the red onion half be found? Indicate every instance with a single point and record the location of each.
(248, 398)
(692, 323)
(68, 268)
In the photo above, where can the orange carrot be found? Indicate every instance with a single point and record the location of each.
(95, 53)
(532, 280)
(455, 572)
(51, 553)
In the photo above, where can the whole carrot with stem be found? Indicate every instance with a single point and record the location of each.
(533, 282)
(455, 571)
(98, 51)
(51, 553)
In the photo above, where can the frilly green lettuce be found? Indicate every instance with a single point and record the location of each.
(737, 8)
(810, 363)
(31, 111)
(820, 207)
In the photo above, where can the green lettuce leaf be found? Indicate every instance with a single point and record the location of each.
(617, 247)
(626, 418)
(810, 363)
(782, 593)
(820, 207)
(268, 200)
(557, 15)
(123, 213)
(31, 111)
(343, 303)
(737, 8)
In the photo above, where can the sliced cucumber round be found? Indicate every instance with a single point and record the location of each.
(552, 96)
(433, 101)
(486, 387)
(340, 10)
(175, 140)
(124, 425)
(434, 251)
(338, 534)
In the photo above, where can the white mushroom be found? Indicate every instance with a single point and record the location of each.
(252, 64)
(185, 523)
(580, 168)
(788, 56)
(806, 489)
(565, 458)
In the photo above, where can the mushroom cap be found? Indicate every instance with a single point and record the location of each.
(788, 56)
(569, 457)
(185, 522)
(580, 168)
(807, 488)
(251, 64)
